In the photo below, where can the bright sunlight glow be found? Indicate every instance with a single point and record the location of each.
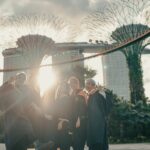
(46, 77)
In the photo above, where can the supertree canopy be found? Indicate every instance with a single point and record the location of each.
(121, 21)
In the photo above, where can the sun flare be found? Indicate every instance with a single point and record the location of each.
(46, 77)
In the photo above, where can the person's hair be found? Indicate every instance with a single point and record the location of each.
(91, 81)
(62, 89)
(73, 79)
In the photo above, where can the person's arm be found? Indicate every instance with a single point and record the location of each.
(109, 101)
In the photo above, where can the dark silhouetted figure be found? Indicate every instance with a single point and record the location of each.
(63, 115)
(79, 115)
(99, 105)
(18, 129)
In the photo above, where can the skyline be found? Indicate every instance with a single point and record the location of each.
(71, 10)
(99, 78)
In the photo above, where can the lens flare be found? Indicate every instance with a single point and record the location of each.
(46, 77)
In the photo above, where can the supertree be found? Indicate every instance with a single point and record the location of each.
(33, 36)
(120, 21)
(51, 26)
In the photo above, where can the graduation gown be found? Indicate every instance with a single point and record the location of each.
(99, 106)
(16, 124)
(63, 111)
(80, 111)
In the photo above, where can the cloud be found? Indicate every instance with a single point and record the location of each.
(72, 9)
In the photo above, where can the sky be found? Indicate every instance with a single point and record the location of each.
(69, 8)
(72, 10)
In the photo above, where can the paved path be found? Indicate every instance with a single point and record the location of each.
(145, 146)
(130, 147)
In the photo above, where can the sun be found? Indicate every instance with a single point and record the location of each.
(46, 77)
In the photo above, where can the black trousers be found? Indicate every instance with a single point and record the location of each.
(97, 146)
(79, 138)
(20, 145)
(63, 140)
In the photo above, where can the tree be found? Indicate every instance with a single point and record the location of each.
(120, 21)
(80, 72)
(133, 58)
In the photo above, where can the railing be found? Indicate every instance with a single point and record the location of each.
(104, 51)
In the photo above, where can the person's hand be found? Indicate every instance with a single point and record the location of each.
(78, 123)
(60, 125)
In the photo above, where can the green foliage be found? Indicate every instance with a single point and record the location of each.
(136, 78)
(133, 58)
(80, 72)
(127, 32)
(129, 122)
(86, 71)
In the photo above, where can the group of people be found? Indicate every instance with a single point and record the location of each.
(75, 117)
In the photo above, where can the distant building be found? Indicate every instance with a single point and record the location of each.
(67, 56)
(115, 74)
(115, 71)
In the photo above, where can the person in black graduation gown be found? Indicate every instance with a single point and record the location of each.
(63, 115)
(18, 129)
(41, 120)
(99, 106)
(79, 115)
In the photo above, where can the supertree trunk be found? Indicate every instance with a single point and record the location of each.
(135, 78)
(133, 58)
